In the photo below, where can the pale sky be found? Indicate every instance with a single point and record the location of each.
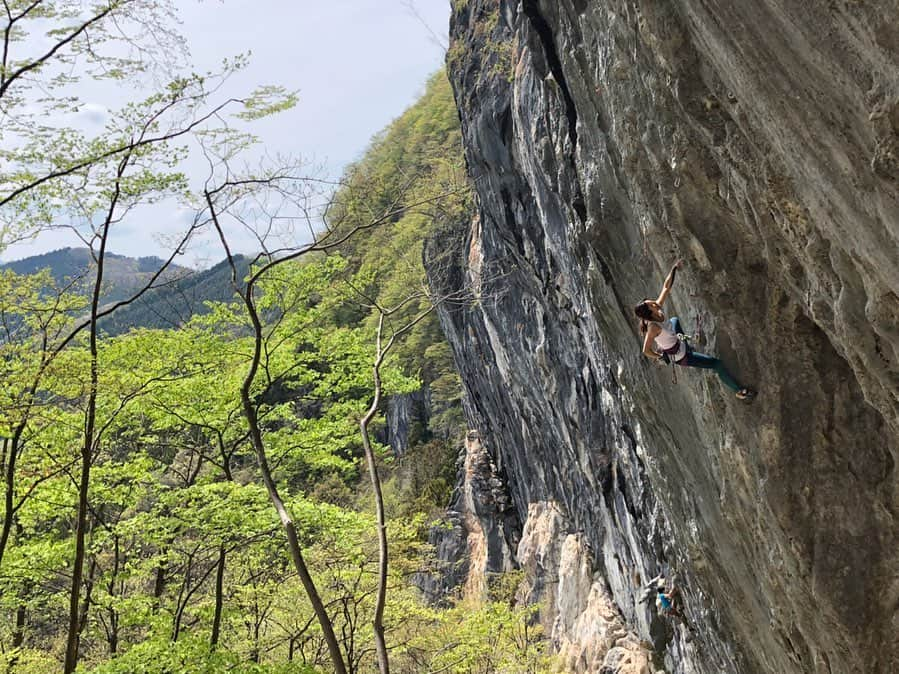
(357, 64)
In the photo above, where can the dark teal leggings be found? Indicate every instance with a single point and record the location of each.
(694, 359)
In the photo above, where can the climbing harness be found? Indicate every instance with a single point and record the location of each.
(681, 337)
(686, 339)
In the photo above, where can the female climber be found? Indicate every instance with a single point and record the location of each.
(671, 342)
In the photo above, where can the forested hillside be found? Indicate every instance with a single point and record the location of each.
(185, 566)
(179, 294)
(74, 267)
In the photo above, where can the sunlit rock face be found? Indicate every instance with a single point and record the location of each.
(759, 143)
(579, 616)
(479, 535)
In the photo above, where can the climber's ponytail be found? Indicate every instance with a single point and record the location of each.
(644, 313)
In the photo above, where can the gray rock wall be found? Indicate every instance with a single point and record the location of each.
(406, 419)
(578, 614)
(759, 143)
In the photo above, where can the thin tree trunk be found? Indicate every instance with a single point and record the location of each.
(184, 598)
(159, 582)
(378, 623)
(254, 652)
(219, 591)
(18, 635)
(226, 457)
(11, 449)
(11, 453)
(88, 446)
(78, 570)
(88, 593)
(113, 632)
(181, 602)
(252, 418)
(293, 541)
(113, 636)
(381, 597)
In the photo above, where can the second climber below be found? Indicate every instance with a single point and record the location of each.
(671, 342)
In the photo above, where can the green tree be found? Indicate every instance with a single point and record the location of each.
(54, 174)
(289, 191)
(145, 451)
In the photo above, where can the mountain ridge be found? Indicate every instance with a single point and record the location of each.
(179, 293)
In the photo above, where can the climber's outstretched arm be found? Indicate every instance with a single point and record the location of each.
(669, 281)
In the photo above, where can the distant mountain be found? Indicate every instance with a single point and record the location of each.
(122, 275)
(173, 303)
(179, 294)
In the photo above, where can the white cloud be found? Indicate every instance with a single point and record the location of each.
(91, 114)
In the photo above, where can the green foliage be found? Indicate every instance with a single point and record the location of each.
(422, 481)
(182, 541)
(480, 637)
(164, 514)
(498, 49)
(35, 314)
(191, 655)
(414, 170)
(455, 54)
(266, 101)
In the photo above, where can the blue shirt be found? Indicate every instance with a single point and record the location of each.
(666, 604)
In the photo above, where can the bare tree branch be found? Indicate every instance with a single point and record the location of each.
(439, 40)
(41, 60)
(120, 149)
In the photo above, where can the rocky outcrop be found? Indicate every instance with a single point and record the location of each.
(577, 610)
(406, 419)
(759, 143)
(480, 533)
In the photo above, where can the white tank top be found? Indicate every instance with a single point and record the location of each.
(666, 340)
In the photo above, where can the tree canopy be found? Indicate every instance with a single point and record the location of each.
(140, 464)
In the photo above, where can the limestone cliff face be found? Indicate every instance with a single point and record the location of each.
(759, 142)
(407, 414)
(479, 536)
